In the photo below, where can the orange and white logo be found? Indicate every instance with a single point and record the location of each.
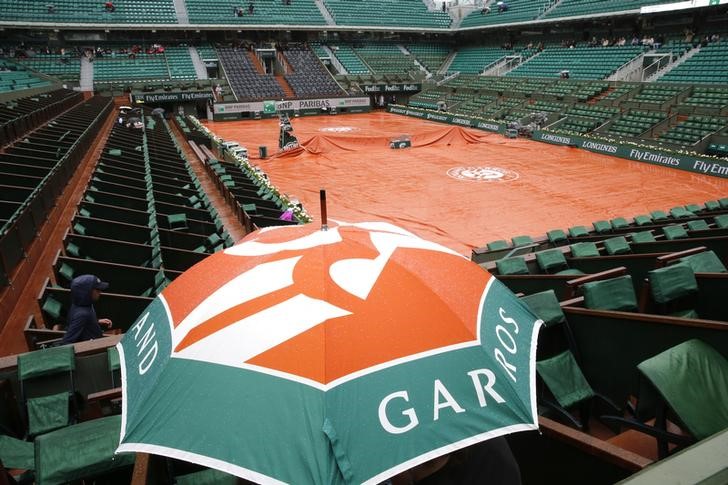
(322, 306)
(482, 174)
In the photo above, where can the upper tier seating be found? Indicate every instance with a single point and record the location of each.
(581, 62)
(518, 11)
(709, 65)
(268, 12)
(244, 80)
(398, 13)
(180, 63)
(142, 68)
(309, 77)
(710, 98)
(430, 55)
(80, 11)
(571, 8)
(65, 67)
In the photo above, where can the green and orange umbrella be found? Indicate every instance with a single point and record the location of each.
(344, 355)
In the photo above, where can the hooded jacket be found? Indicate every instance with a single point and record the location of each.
(82, 322)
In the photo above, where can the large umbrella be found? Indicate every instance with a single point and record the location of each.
(344, 355)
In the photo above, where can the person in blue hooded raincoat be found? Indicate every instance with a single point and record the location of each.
(82, 321)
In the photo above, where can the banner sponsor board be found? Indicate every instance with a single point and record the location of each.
(171, 97)
(391, 88)
(291, 105)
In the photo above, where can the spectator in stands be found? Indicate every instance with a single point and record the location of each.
(51, 8)
(82, 321)
(502, 7)
(251, 8)
(485, 10)
(109, 6)
(635, 40)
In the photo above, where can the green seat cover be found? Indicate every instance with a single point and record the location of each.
(723, 203)
(642, 220)
(617, 245)
(556, 236)
(519, 241)
(705, 262)
(612, 294)
(564, 379)
(578, 231)
(721, 221)
(545, 306)
(694, 208)
(584, 250)
(674, 232)
(17, 453)
(658, 216)
(46, 362)
(52, 307)
(251, 208)
(177, 221)
(698, 225)
(672, 282)
(712, 205)
(570, 271)
(692, 377)
(492, 246)
(642, 237)
(112, 355)
(79, 451)
(680, 213)
(551, 260)
(73, 250)
(602, 227)
(619, 223)
(47, 413)
(512, 266)
(115, 152)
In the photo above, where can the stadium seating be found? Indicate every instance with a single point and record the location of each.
(573, 8)
(518, 11)
(581, 62)
(65, 67)
(244, 79)
(709, 65)
(180, 63)
(15, 77)
(309, 77)
(126, 11)
(349, 59)
(22, 115)
(266, 12)
(635, 122)
(385, 58)
(409, 13)
(473, 59)
(707, 99)
(430, 55)
(152, 68)
(693, 129)
(583, 118)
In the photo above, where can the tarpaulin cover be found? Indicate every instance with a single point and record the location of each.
(542, 186)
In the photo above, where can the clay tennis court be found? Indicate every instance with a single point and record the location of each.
(537, 186)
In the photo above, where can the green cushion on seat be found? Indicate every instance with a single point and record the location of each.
(680, 213)
(512, 266)
(564, 379)
(697, 225)
(721, 221)
(47, 413)
(617, 245)
(570, 271)
(584, 250)
(17, 453)
(705, 262)
(642, 237)
(492, 246)
(112, 355)
(115, 152)
(52, 307)
(612, 294)
(674, 232)
(712, 205)
(578, 231)
(658, 216)
(545, 306)
(694, 208)
(672, 282)
(642, 220)
(619, 223)
(519, 241)
(692, 377)
(556, 236)
(723, 203)
(551, 260)
(602, 227)
(46, 362)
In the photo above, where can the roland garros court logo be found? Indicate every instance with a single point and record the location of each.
(340, 129)
(482, 174)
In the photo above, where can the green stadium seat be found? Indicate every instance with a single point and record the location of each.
(578, 231)
(584, 250)
(642, 220)
(619, 223)
(705, 262)
(496, 245)
(697, 225)
(617, 245)
(602, 227)
(556, 236)
(519, 241)
(674, 232)
(615, 294)
(512, 266)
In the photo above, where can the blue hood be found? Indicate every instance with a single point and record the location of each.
(81, 287)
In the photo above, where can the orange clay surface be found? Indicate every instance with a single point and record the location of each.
(555, 187)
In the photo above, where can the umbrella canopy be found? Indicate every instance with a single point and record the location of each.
(338, 356)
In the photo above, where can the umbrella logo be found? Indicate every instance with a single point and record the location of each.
(286, 300)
